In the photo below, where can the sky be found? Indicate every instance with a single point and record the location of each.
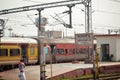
(106, 15)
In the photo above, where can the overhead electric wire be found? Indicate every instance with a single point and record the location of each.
(107, 12)
(33, 1)
(116, 0)
(104, 26)
(30, 19)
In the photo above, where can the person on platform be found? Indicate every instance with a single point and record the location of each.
(21, 67)
(46, 51)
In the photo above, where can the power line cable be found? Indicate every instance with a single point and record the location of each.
(115, 0)
(108, 12)
(33, 1)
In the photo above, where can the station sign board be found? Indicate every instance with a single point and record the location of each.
(83, 39)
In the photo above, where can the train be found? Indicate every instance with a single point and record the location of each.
(12, 49)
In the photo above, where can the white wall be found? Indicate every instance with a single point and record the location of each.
(118, 49)
(112, 45)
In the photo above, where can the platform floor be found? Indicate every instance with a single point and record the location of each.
(33, 72)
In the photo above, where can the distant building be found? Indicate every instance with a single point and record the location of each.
(108, 47)
(53, 34)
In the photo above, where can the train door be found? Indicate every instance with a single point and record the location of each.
(105, 52)
(24, 53)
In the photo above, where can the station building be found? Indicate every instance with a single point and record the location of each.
(108, 47)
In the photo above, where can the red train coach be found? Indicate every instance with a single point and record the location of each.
(66, 50)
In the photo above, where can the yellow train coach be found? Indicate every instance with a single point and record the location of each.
(12, 49)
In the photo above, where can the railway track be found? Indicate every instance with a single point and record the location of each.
(114, 76)
(111, 77)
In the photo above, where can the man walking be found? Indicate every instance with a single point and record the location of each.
(21, 67)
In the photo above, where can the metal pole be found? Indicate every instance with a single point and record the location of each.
(70, 15)
(97, 66)
(42, 72)
(88, 25)
(94, 69)
(51, 66)
(88, 20)
(95, 61)
(93, 58)
(85, 20)
(88, 16)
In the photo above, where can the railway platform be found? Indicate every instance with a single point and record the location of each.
(33, 72)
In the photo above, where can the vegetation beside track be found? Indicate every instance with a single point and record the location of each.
(113, 76)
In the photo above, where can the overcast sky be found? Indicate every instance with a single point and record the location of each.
(106, 15)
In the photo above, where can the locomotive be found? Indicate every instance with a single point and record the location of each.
(12, 49)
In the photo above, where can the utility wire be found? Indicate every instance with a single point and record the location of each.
(33, 1)
(31, 19)
(103, 26)
(108, 12)
(115, 0)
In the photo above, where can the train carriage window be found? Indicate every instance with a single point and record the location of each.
(14, 52)
(32, 50)
(3, 52)
(60, 51)
(83, 50)
(77, 51)
(72, 51)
